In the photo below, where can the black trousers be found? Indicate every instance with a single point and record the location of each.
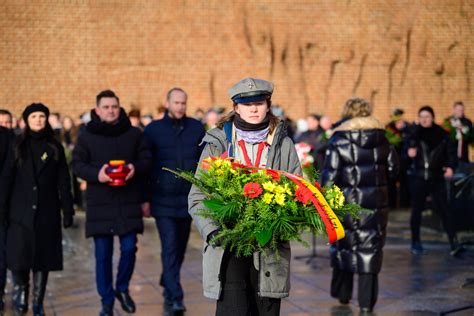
(437, 189)
(240, 290)
(3, 259)
(342, 283)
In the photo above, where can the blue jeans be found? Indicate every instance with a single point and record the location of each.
(104, 249)
(174, 235)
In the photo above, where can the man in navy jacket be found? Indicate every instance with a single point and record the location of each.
(175, 144)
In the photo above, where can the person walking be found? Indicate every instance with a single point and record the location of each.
(6, 152)
(174, 141)
(460, 131)
(246, 285)
(360, 161)
(433, 159)
(112, 210)
(39, 189)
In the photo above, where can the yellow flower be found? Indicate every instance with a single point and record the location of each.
(279, 189)
(280, 199)
(226, 163)
(269, 186)
(288, 190)
(267, 198)
(217, 163)
(337, 201)
(219, 172)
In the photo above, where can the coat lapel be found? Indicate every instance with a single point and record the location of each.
(45, 158)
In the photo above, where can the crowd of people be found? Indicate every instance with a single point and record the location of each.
(51, 164)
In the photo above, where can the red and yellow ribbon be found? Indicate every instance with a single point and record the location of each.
(334, 228)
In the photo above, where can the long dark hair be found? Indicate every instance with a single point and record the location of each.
(229, 117)
(21, 149)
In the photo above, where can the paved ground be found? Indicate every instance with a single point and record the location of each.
(428, 285)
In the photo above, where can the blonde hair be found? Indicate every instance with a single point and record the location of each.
(356, 107)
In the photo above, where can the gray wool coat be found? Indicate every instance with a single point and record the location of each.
(274, 273)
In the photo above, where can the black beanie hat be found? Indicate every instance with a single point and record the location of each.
(427, 108)
(35, 107)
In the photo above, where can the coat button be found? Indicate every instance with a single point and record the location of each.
(34, 188)
(34, 207)
(267, 274)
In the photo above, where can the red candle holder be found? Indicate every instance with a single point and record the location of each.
(117, 171)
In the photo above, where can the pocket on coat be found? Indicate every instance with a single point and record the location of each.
(211, 266)
(275, 272)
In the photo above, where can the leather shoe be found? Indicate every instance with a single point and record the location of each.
(178, 306)
(126, 301)
(107, 310)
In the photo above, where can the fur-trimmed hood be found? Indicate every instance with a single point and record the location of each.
(358, 123)
(365, 132)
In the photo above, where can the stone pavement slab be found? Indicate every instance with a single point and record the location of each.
(425, 285)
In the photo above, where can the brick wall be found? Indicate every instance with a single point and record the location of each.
(317, 52)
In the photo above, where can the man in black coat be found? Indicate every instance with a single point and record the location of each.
(460, 131)
(6, 152)
(175, 143)
(433, 157)
(112, 210)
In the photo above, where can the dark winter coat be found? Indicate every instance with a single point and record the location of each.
(175, 145)
(37, 193)
(434, 152)
(359, 160)
(6, 152)
(112, 210)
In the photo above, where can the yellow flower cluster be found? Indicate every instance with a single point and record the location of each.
(220, 166)
(275, 193)
(337, 197)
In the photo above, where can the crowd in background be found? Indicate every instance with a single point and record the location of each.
(425, 153)
(315, 130)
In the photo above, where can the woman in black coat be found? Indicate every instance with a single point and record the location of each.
(359, 160)
(39, 189)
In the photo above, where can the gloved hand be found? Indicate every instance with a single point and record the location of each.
(210, 237)
(68, 220)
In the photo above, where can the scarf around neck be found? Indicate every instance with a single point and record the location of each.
(252, 133)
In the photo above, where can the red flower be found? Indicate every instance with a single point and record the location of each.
(303, 195)
(317, 185)
(252, 190)
(274, 174)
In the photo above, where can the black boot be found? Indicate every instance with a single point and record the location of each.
(20, 291)
(2, 302)
(40, 278)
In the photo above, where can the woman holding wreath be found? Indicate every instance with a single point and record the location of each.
(254, 136)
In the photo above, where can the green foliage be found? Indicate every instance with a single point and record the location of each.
(251, 223)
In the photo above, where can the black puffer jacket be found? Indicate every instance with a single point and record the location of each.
(359, 160)
(434, 151)
(112, 210)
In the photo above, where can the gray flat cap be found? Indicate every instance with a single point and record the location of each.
(251, 90)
